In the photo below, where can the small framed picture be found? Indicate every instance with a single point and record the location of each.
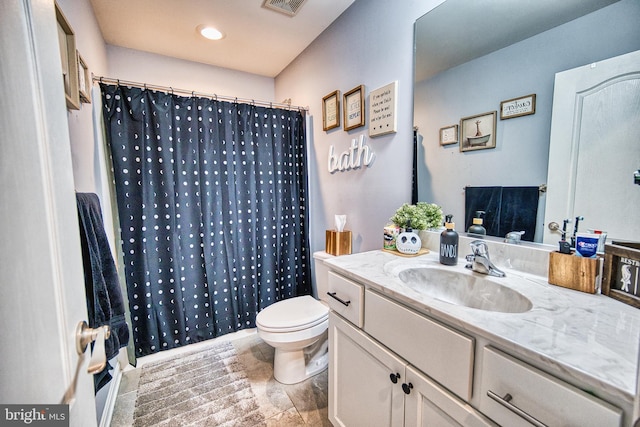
(518, 107)
(353, 107)
(331, 111)
(67, 43)
(84, 81)
(478, 132)
(449, 135)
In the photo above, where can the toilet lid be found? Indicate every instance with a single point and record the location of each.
(292, 314)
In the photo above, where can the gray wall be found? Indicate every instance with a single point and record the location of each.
(370, 44)
(522, 144)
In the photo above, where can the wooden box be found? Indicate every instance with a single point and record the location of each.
(338, 242)
(622, 272)
(575, 272)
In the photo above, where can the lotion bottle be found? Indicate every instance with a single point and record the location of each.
(477, 229)
(449, 243)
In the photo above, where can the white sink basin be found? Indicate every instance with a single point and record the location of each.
(467, 290)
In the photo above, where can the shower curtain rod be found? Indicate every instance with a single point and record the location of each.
(174, 90)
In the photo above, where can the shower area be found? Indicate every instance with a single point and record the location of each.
(212, 210)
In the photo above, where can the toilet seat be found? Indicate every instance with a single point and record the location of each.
(293, 314)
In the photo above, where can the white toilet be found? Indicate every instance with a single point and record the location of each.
(298, 330)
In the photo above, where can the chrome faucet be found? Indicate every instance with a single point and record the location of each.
(479, 260)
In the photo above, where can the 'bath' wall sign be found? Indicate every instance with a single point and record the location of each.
(356, 156)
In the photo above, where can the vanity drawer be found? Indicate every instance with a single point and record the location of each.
(440, 352)
(536, 394)
(346, 298)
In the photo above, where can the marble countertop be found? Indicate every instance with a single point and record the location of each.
(592, 339)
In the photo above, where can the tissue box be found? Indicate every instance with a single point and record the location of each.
(575, 272)
(622, 272)
(338, 242)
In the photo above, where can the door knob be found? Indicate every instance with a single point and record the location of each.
(86, 335)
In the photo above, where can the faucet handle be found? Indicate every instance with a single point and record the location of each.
(479, 247)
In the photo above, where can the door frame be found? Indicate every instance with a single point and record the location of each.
(41, 279)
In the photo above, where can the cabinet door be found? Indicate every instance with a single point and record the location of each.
(428, 404)
(361, 390)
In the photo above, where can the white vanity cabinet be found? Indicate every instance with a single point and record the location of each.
(370, 385)
(391, 365)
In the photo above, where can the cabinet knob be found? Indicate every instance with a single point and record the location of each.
(407, 388)
(394, 378)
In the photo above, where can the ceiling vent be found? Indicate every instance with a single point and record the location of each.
(288, 7)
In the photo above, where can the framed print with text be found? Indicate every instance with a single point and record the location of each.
(331, 111)
(518, 107)
(353, 107)
(449, 135)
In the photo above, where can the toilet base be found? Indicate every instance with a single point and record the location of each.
(294, 366)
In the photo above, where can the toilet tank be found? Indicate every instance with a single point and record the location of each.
(321, 273)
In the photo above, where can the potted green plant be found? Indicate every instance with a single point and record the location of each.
(420, 216)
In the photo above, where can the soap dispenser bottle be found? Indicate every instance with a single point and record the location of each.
(477, 229)
(449, 243)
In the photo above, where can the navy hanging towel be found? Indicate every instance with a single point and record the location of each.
(506, 209)
(104, 297)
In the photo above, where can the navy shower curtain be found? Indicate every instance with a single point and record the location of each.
(212, 200)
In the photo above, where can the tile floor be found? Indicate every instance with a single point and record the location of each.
(303, 404)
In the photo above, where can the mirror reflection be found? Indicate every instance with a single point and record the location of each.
(464, 72)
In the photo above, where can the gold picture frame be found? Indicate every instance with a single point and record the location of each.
(353, 108)
(84, 81)
(478, 132)
(331, 111)
(67, 41)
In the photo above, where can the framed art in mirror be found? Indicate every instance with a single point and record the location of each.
(67, 42)
(478, 132)
(517, 107)
(331, 111)
(353, 107)
(84, 81)
(449, 135)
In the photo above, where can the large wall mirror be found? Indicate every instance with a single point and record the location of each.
(473, 56)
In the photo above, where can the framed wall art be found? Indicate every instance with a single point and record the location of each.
(449, 135)
(518, 107)
(67, 42)
(331, 111)
(382, 110)
(478, 132)
(353, 107)
(84, 81)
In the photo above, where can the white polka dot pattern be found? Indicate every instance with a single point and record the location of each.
(212, 202)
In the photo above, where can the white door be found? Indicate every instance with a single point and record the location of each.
(594, 148)
(42, 295)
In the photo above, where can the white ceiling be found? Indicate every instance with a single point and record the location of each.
(258, 40)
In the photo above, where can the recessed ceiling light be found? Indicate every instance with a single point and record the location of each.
(210, 32)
